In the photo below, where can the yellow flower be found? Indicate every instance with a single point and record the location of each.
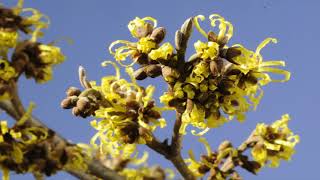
(250, 61)
(225, 27)
(137, 25)
(130, 116)
(8, 39)
(6, 71)
(276, 142)
(145, 45)
(50, 54)
(208, 50)
(163, 52)
(195, 117)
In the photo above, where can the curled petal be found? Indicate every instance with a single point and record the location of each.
(114, 65)
(197, 25)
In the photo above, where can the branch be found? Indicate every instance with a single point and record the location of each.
(229, 164)
(173, 152)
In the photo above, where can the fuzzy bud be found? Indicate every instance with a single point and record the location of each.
(179, 40)
(83, 104)
(158, 34)
(186, 27)
(212, 36)
(69, 102)
(140, 74)
(169, 74)
(73, 91)
(143, 31)
(153, 70)
(76, 111)
(214, 68)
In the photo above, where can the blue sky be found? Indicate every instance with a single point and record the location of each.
(94, 24)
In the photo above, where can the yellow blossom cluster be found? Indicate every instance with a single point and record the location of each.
(128, 117)
(147, 47)
(16, 144)
(275, 142)
(29, 56)
(211, 161)
(41, 59)
(6, 71)
(221, 80)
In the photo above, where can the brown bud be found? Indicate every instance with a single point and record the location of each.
(169, 74)
(222, 42)
(76, 111)
(140, 74)
(251, 79)
(203, 169)
(154, 114)
(83, 103)
(73, 91)
(179, 40)
(186, 27)
(231, 53)
(140, 58)
(214, 68)
(69, 102)
(212, 36)
(158, 34)
(153, 70)
(224, 145)
(144, 31)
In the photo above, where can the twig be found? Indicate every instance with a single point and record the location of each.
(173, 152)
(229, 164)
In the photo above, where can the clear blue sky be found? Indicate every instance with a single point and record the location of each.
(96, 23)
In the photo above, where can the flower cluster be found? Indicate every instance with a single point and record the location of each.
(11, 22)
(7, 73)
(33, 58)
(147, 51)
(126, 112)
(275, 142)
(38, 59)
(219, 79)
(17, 146)
(131, 113)
(34, 149)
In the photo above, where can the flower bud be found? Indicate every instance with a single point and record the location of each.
(214, 68)
(212, 36)
(231, 53)
(140, 74)
(76, 111)
(140, 58)
(83, 104)
(143, 31)
(153, 70)
(158, 34)
(179, 40)
(203, 169)
(69, 102)
(169, 74)
(186, 27)
(73, 91)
